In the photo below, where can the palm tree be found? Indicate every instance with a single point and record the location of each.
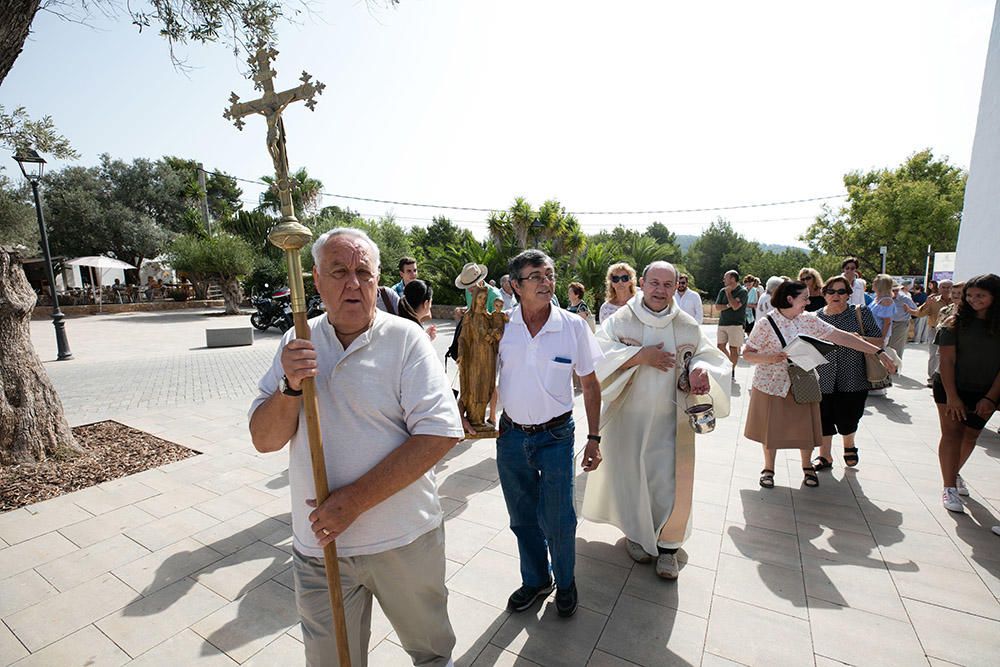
(307, 194)
(591, 269)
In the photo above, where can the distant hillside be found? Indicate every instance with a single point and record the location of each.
(685, 241)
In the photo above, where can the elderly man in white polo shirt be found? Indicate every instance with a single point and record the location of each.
(541, 347)
(387, 416)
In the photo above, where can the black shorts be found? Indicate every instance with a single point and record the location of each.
(969, 398)
(841, 411)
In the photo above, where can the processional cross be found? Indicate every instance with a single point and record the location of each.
(290, 235)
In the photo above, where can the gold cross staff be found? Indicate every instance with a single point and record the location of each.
(270, 105)
(290, 235)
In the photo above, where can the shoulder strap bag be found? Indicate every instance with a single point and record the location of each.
(874, 370)
(805, 384)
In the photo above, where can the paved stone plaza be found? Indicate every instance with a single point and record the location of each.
(189, 563)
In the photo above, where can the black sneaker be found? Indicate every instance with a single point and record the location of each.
(525, 596)
(566, 600)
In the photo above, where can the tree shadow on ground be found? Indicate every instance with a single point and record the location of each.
(262, 610)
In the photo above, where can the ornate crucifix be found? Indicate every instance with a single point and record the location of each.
(290, 235)
(270, 105)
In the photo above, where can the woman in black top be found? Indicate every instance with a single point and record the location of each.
(814, 282)
(967, 386)
(844, 379)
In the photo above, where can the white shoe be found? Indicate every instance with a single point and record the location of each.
(636, 552)
(951, 501)
(963, 490)
(996, 530)
(876, 392)
(667, 567)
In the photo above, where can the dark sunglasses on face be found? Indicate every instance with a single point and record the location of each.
(805, 277)
(620, 279)
(840, 291)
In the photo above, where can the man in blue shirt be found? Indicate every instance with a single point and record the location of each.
(407, 273)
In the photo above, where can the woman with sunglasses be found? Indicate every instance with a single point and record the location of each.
(619, 288)
(814, 281)
(843, 379)
(774, 418)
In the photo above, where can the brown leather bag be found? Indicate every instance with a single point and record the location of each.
(874, 370)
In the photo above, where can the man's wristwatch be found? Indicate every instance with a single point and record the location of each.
(287, 390)
(595, 438)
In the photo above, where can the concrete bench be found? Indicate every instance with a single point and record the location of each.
(229, 337)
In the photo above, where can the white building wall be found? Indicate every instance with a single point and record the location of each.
(978, 249)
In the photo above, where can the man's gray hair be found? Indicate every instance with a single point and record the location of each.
(660, 264)
(504, 279)
(531, 258)
(351, 232)
(772, 284)
(945, 283)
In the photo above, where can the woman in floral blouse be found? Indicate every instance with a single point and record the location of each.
(774, 418)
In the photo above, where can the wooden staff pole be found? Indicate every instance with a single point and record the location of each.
(291, 236)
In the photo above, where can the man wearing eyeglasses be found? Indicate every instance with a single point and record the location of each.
(655, 359)
(731, 307)
(542, 346)
(688, 300)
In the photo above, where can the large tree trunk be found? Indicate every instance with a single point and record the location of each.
(32, 424)
(15, 20)
(232, 294)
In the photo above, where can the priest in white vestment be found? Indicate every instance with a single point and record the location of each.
(656, 360)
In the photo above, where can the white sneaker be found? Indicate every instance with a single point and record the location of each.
(996, 529)
(963, 490)
(951, 501)
(667, 567)
(636, 552)
(876, 392)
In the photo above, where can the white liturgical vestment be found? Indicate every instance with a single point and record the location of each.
(645, 483)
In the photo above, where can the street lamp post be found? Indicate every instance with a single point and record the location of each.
(31, 160)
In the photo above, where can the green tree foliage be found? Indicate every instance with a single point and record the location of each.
(591, 269)
(224, 258)
(85, 217)
(224, 195)
(918, 203)
(441, 233)
(307, 195)
(659, 232)
(18, 224)
(444, 264)
(717, 250)
(18, 132)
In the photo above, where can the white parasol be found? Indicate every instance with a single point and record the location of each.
(101, 262)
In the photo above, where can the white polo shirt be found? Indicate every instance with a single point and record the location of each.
(536, 374)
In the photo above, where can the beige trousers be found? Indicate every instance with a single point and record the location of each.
(408, 583)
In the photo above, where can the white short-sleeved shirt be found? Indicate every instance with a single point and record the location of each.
(690, 302)
(536, 374)
(857, 295)
(773, 378)
(388, 385)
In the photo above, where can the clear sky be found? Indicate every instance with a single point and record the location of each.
(604, 105)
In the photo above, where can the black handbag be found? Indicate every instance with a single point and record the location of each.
(805, 384)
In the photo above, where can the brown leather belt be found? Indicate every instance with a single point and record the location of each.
(538, 428)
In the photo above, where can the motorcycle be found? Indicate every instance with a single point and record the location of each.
(273, 311)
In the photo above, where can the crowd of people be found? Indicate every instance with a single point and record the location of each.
(645, 368)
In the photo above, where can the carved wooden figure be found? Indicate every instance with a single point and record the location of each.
(478, 346)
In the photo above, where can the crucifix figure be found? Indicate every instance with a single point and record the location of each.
(290, 235)
(270, 105)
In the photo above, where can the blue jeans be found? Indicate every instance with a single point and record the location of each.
(536, 475)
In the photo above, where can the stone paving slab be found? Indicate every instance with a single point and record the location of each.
(189, 563)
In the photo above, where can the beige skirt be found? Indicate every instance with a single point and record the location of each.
(781, 423)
